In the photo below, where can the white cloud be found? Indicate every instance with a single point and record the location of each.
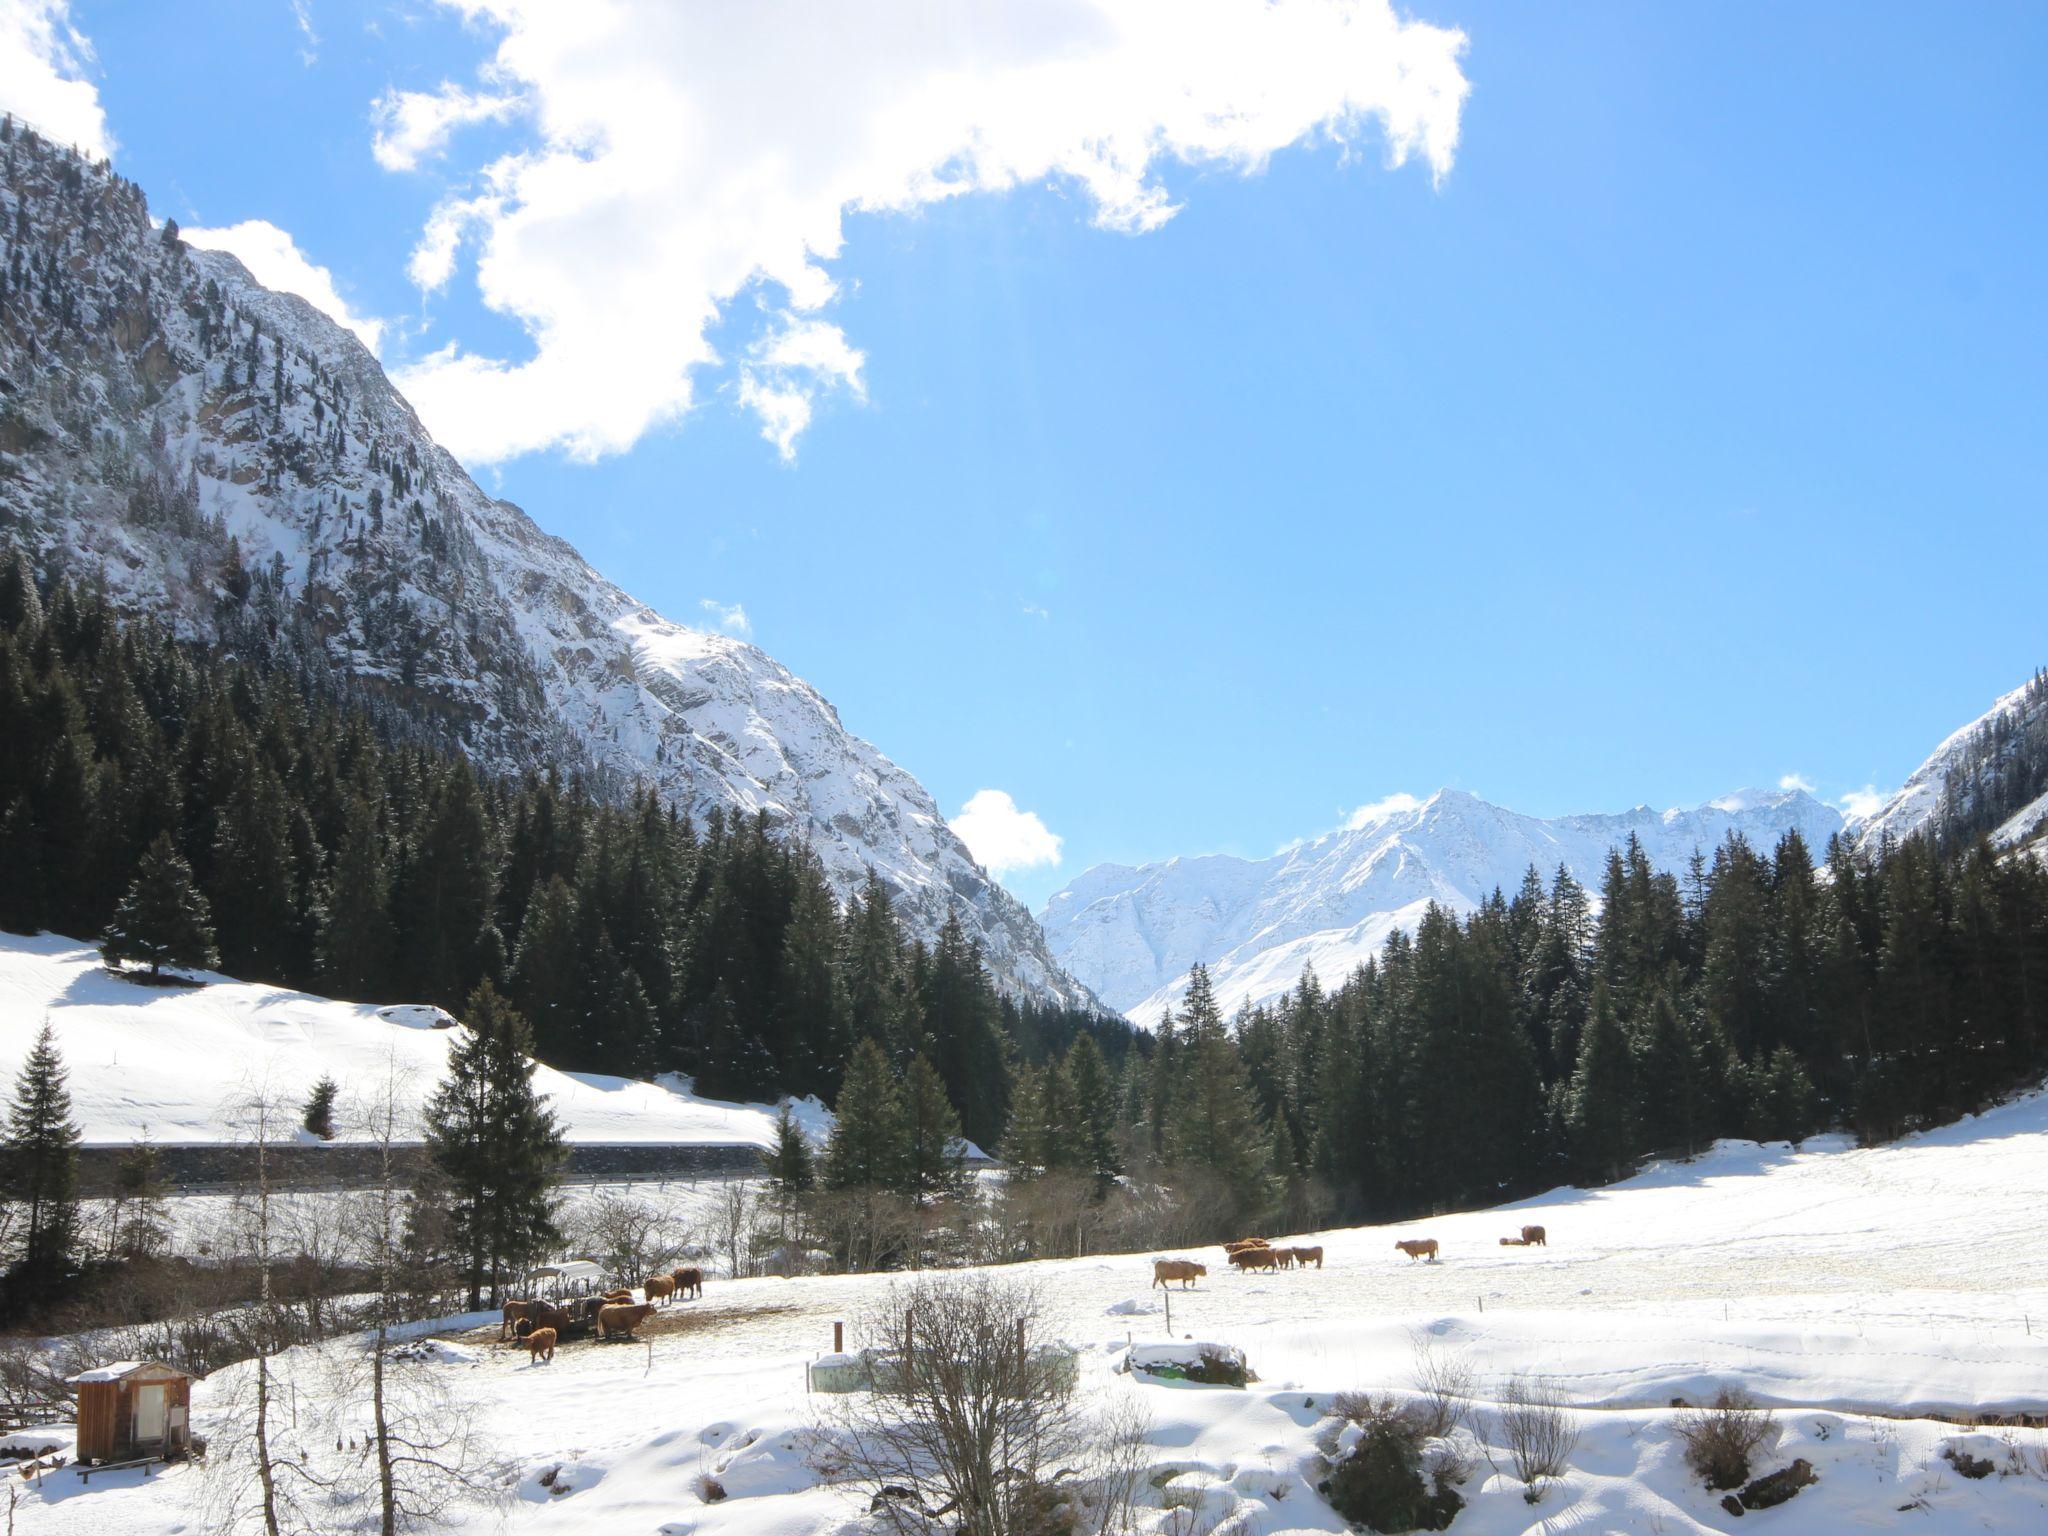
(682, 156)
(275, 260)
(1003, 838)
(1034, 611)
(44, 63)
(411, 126)
(309, 49)
(732, 618)
(789, 368)
(1380, 810)
(1796, 781)
(1862, 804)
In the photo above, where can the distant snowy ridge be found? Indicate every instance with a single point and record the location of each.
(1943, 785)
(1132, 933)
(136, 409)
(176, 1061)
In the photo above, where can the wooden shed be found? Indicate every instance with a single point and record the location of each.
(133, 1410)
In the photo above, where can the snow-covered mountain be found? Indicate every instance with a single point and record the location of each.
(1990, 777)
(232, 461)
(1131, 934)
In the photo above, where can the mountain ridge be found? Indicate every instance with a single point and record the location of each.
(232, 462)
(1131, 932)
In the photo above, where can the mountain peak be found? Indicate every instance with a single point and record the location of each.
(170, 419)
(1132, 934)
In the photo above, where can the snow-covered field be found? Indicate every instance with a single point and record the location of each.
(1857, 1291)
(177, 1061)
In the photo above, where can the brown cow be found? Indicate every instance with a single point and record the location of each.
(1304, 1256)
(541, 1314)
(540, 1345)
(1283, 1257)
(617, 1298)
(689, 1282)
(1423, 1248)
(1243, 1243)
(515, 1313)
(620, 1321)
(1186, 1271)
(1536, 1235)
(1253, 1258)
(660, 1287)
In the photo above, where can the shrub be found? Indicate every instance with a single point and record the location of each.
(1381, 1484)
(1538, 1430)
(1720, 1440)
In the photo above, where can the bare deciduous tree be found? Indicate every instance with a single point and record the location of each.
(974, 1417)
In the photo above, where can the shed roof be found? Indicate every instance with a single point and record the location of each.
(126, 1370)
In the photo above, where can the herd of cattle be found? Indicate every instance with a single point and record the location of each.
(1249, 1253)
(540, 1325)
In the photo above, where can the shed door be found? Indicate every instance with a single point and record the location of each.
(149, 1412)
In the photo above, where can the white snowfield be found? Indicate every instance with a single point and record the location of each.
(181, 1062)
(1915, 803)
(1860, 1292)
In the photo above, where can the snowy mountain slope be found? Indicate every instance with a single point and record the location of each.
(1131, 934)
(1858, 1291)
(156, 402)
(174, 1060)
(1979, 779)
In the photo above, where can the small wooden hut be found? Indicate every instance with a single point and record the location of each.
(133, 1410)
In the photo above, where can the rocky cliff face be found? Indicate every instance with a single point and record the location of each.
(230, 460)
(1131, 934)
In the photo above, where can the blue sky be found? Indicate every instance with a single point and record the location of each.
(1684, 433)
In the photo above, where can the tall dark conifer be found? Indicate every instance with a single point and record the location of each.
(498, 1146)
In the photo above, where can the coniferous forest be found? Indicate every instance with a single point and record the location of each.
(191, 808)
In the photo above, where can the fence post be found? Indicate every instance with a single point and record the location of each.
(839, 1338)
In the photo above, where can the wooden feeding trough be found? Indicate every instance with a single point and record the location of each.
(133, 1411)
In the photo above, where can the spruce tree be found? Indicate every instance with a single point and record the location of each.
(789, 1163)
(1600, 1112)
(1216, 1125)
(144, 1227)
(319, 1116)
(866, 1149)
(42, 1174)
(163, 919)
(934, 1162)
(357, 943)
(498, 1145)
(1095, 1112)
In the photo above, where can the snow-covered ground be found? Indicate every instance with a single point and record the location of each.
(177, 1061)
(1857, 1291)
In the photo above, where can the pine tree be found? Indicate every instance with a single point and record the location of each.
(163, 919)
(547, 975)
(1600, 1113)
(1095, 1112)
(1025, 1142)
(1216, 1125)
(319, 1117)
(866, 1149)
(357, 943)
(144, 1226)
(42, 1174)
(497, 1143)
(789, 1164)
(933, 1159)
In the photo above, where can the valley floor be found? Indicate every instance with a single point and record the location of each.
(1861, 1291)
